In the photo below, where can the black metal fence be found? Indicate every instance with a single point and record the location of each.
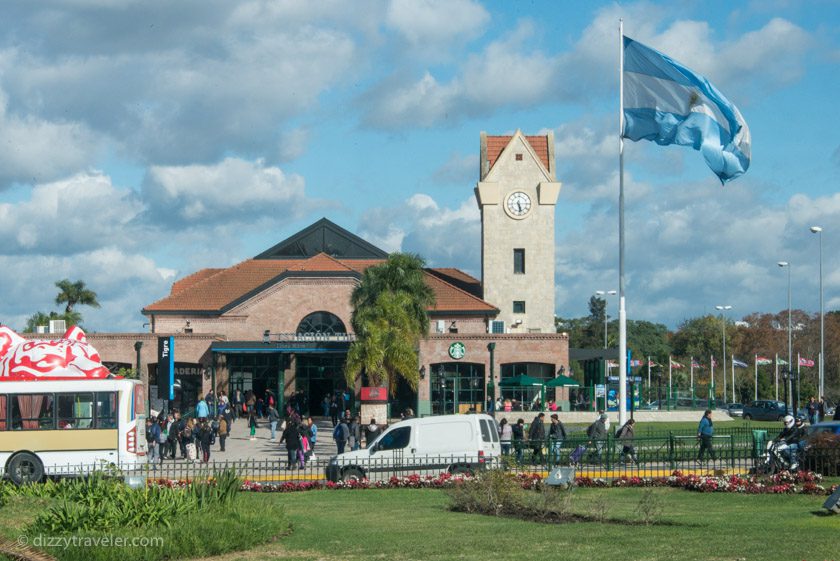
(607, 458)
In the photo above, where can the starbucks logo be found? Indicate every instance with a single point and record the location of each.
(457, 350)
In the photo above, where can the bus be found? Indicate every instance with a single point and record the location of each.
(70, 427)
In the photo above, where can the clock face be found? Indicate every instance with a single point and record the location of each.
(518, 204)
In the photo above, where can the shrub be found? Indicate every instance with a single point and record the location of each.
(492, 492)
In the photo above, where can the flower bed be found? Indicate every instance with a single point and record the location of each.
(804, 482)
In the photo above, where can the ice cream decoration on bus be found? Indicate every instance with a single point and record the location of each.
(68, 358)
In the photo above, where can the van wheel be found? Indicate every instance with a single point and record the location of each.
(25, 468)
(747, 417)
(352, 474)
(460, 470)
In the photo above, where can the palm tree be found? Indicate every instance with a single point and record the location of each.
(390, 316)
(73, 293)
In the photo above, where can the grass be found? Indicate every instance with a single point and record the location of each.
(691, 426)
(403, 525)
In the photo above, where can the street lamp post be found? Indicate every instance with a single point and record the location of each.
(722, 309)
(820, 389)
(606, 317)
(785, 377)
(789, 391)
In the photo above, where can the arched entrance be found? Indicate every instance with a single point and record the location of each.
(319, 375)
(457, 387)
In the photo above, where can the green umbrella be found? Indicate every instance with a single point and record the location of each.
(521, 381)
(562, 382)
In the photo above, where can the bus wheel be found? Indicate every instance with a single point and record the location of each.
(25, 468)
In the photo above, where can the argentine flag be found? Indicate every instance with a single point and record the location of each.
(669, 104)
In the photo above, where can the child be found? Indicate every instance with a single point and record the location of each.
(222, 432)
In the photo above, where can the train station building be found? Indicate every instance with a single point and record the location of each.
(281, 320)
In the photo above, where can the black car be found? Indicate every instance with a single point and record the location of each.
(765, 410)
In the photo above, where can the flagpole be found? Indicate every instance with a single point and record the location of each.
(712, 374)
(755, 396)
(622, 316)
(776, 382)
(649, 393)
(793, 403)
(692, 381)
(670, 389)
(733, 377)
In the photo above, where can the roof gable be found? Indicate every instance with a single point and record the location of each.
(325, 237)
(540, 148)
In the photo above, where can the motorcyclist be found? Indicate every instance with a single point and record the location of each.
(792, 434)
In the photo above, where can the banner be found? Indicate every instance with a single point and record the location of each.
(166, 368)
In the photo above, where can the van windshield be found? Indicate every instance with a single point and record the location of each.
(397, 438)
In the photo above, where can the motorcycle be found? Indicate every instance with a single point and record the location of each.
(776, 458)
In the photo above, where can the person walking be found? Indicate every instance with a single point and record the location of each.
(273, 419)
(536, 436)
(705, 432)
(291, 436)
(152, 434)
(821, 407)
(813, 411)
(597, 433)
(505, 436)
(223, 432)
(341, 434)
(313, 431)
(556, 435)
(371, 432)
(252, 422)
(518, 432)
(205, 437)
(625, 435)
(334, 411)
(202, 410)
(355, 433)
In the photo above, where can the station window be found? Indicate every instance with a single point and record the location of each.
(519, 306)
(519, 261)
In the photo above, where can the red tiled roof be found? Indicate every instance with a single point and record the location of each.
(457, 274)
(215, 291)
(496, 144)
(190, 280)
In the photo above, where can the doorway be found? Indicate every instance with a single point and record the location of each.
(318, 390)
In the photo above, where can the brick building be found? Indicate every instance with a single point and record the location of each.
(281, 320)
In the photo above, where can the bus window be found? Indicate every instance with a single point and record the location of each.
(2, 412)
(106, 410)
(139, 401)
(75, 410)
(32, 412)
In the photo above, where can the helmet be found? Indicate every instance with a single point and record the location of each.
(788, 420)
(800, 419)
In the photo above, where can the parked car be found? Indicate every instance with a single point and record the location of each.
(764, 410)
(735, 410)
(424, 446)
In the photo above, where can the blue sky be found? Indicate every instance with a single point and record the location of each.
(144, 140)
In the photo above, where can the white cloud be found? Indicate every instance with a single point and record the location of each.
(70, 215)
(436, 23)
(233, 188)
(34, 149)
(445, 237)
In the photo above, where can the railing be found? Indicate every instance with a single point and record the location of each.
(606, 458)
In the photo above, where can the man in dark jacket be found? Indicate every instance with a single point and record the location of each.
(341, 434)
(556, 434)
(705, 432)
(291, 436)
(597, 433)
(536, 434)
(792, 434)
(518, 433)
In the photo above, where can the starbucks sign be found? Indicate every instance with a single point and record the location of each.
(457, 350)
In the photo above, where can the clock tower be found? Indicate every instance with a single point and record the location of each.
(517, 194)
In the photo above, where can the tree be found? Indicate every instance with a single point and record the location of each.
(390, 316)
(39, 318)
(74, 293)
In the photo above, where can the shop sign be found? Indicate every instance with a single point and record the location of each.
(375, 394)
(457, 350)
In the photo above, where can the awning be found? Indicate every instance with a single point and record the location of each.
(521, 381)
(562, 382)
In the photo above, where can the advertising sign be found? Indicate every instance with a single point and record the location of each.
(374, 394)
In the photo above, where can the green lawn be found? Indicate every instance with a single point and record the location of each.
(415, 524)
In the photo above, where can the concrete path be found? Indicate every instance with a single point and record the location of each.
(239, 445)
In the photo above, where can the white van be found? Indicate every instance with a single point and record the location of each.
(425, 446)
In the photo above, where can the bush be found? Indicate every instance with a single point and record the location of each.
(492, 492)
